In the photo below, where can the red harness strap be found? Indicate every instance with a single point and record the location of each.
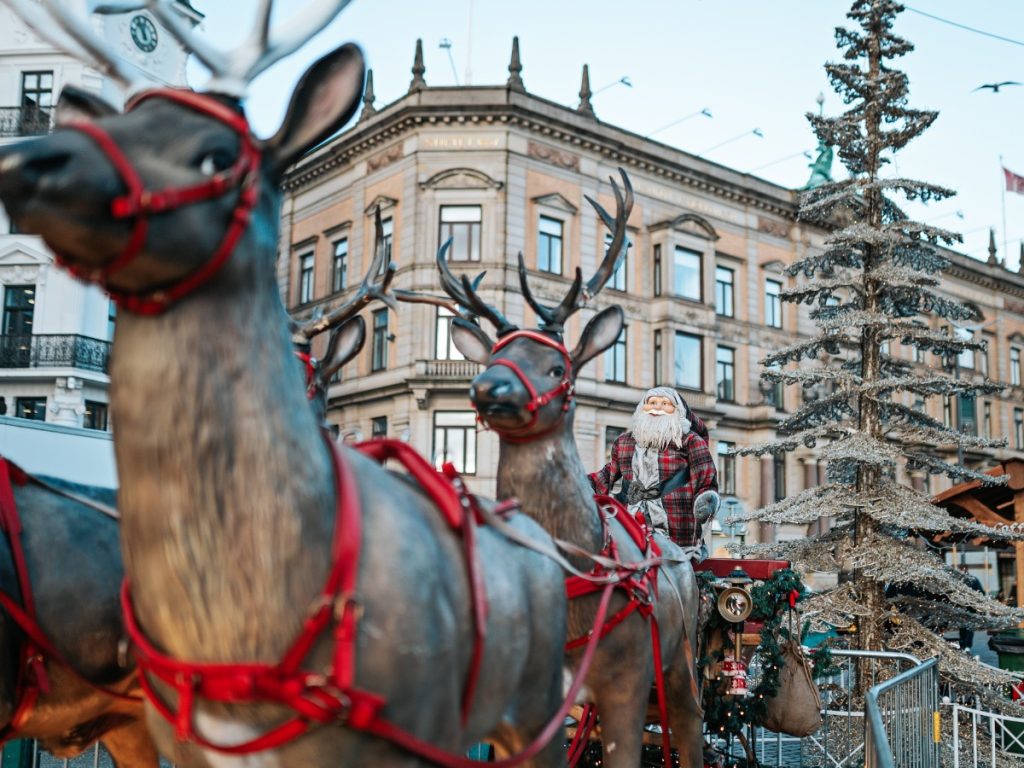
(37, 647)
(458, 507)
(315, 698)
(537, 401)
(641, 589)
(319, 699)
(139, 203)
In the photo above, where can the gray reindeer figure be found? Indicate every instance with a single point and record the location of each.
(64, 678)
(526, 395)
(285, 596)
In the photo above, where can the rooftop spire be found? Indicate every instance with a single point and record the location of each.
(515, 68)
(418, 70)
(992, 247)
(585, 108)
(368, 109)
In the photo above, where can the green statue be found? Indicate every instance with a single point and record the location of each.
(821, 168)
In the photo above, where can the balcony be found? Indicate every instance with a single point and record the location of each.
(54, 351)
(448, 369)
(18, 122)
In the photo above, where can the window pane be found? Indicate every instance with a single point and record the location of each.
(339, 277)
(549, 245)
(467, 213)
(773, 303)
(724, 291)
(19, 309)
(455, 440)
(686, 274)
(725, 358)
(444, 349)
(688, 371)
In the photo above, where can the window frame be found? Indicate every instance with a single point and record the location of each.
(725, 386)
(774, 302)
(93, 409)
(19, 319)
(656, 286)
(659, 354)
(678, 269)
(1018, 428)
(620, 275)
(725, 290)
(339, 258)
(378, 427)
(779, 476)
(379, 341)
(676, 362)
(542, 235)
(1015, 366)
(616, 358)
(726, 467)
(307, 277)
(469, 435)
(35, 401)
(443, 331)
(474, 234)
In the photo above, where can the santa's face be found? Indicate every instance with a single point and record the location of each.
(656, 405)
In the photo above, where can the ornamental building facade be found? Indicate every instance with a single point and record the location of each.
(501, 171)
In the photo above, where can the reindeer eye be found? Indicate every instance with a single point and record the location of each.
(214, 162)
(557, 372)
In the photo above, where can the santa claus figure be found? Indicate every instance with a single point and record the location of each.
(666, 470)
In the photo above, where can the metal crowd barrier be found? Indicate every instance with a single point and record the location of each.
(903, 725)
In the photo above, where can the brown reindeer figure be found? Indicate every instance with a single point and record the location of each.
(64, 679)
(285, 595)
(526, 396)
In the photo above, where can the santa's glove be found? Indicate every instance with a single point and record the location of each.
(705, 506)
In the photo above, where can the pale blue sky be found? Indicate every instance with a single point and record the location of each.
(754, 64)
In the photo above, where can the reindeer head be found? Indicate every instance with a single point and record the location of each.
(529, 384)
(152, 203)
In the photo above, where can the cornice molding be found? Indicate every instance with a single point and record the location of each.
(401, 119)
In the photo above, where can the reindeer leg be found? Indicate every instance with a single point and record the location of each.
(622, 706)
(130, 746)
(686, 717)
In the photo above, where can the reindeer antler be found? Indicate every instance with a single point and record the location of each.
(463, 291)
(75, 35)
(234, 70)
(553, 318)
(375, 285)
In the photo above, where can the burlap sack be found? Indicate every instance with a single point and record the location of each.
(796, 709)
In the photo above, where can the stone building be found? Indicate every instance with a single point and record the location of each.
(501, 171)
(54, 331)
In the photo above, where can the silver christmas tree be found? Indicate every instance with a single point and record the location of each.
(874, 285)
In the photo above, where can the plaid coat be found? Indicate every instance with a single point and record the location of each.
(682, 525)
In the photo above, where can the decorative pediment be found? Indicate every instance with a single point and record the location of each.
(23, 254)
(691, 224)
(1017, 337)
(461, 178)
(556, 201)
(774, 267)
(380, 201)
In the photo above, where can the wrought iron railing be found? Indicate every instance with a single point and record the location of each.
(54, 351)
(21, 121)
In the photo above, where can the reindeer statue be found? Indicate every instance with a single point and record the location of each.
(268, 613)
(526, 395)
(64, 679)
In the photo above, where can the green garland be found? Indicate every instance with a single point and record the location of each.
(729, 715)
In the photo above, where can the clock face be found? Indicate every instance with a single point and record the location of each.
(143, 33)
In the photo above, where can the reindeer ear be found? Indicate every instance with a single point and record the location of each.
(601, 332)
(78, 105)
(324, 100)
(345, 344)
(471, 341)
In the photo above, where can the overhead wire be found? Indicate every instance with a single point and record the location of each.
(958, 25)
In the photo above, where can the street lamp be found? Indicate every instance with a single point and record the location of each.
(703, 111)
(446, 45)
(754, 132)
(624, 80)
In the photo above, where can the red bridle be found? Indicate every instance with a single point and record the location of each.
(537, 401)
(138, 203)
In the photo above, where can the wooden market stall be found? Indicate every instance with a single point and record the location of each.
(993, 505)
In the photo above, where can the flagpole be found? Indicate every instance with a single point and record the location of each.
(1006, 253)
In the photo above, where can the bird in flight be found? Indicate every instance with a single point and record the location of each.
(996, 86)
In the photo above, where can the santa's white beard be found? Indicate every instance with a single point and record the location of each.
(656, 431)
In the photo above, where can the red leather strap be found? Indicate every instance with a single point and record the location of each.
(537, 401)
(138, 203)
(448, 491)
